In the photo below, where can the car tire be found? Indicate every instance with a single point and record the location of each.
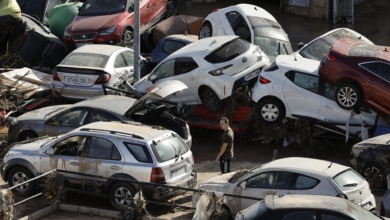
(270, 111)
(27, 135)
(121, 195)
(375, 175)
(127, 39)
(172, 8)
(18, 175)
(348, 96)
(210, 99)
(205, 31)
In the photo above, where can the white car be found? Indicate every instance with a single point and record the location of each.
(87, 70)
(319, 47)
(251, 23)
(212, 69)
(291, 88)
(291, 175)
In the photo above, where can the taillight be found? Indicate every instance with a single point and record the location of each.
(55, 75)
(263, 80)
(219, 71)
(331, 57)
(157, 175)
(103, 78)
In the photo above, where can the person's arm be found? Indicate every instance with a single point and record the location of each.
(223, 148)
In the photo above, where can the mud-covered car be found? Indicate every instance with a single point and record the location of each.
(105, 157)
(371, 158)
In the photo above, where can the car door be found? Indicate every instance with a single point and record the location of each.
(301, 95)
(66, 121)
(123, 70)
(186, 71)
(151, 10)
(224, 26)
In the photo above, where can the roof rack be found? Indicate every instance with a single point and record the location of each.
(113, 132)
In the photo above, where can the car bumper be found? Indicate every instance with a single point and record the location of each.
(76, 92)
(369, 204)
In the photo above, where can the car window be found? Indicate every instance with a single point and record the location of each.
(305, 182)
(228, 51)
(165, 70)
(139, 152)
(303, 80)
(98, 115)
(347, 179)
(262, 180)
(71, 146)
(301, 215)
(284, 180)
(85, 60)
(102, 7)
(380, 69)
(184, 65)
(72, 117)
(120, 61)
(239, 25)
(169, 148)
(96, 147)
(171, 46)
(129, 58)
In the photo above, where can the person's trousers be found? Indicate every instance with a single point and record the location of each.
(222, 165)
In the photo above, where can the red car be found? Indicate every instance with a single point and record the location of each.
(361, 74)
(112, 21)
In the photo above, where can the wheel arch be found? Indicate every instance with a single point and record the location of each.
(125, 28)
(209, 23)
(352, 81)
(19, 163)
(202, 87)
(28, 130)
(118, 178)
(273, 98)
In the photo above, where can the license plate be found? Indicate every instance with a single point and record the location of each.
(252, 75)
(81, 44)
(76, 80)
(177, 172)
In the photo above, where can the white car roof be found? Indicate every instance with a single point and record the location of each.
(298, 63)
(306, 164)
(103, 49)
(250, 10)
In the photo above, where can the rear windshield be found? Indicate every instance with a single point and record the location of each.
(169, 148)
(85, 60)
(228, 51)
(347, 179)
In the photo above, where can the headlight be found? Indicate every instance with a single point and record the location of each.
(108, 31)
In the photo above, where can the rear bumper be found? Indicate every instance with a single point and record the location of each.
(369, 204)
(76, 92)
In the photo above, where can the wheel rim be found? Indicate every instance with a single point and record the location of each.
(347, 96)
(210, 100)
(269, 112)
(19, 178)
(128, 40)
(123, 196)
(374, 176)
(205, 32)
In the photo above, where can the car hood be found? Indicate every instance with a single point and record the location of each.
(27, 147)
(94, 23)
(378, 141)
(41, 113)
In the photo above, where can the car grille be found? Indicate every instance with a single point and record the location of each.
(84, 36)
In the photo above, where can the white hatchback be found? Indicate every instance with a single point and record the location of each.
(212, 69)
(291, 175)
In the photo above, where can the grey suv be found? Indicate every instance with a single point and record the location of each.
(101, 157)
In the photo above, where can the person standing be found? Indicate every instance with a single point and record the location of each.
(226, 151)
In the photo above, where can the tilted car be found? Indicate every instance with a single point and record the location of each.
(103, 157)
(92, 70)
(284, 207)
(112, 21)
(360, 73)
(371, 158)
(212, 68)
(58, 119)
(291, 175)
(251, 23)
(291, 87)
(319, 47)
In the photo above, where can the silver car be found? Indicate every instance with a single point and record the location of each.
(59, 119)
(106, 157)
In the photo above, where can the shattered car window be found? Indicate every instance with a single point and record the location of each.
(102, 7)
(85, 60)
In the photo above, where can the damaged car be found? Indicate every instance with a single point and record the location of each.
(291, 175)
(212, 68)
(111, 158)
(59, 119)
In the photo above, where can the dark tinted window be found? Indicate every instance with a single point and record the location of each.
(228, 51)
(72, 117)
(378, 68)
(306, 81)
(239, 26)
(100, 148)
(139, 152)
(304, 182)
(184, 65)
(262, 180)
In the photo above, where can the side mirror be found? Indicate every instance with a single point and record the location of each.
(243, 185)
(50, 151)
(131, 8)
(153, 77)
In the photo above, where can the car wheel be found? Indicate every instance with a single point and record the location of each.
(172, 8)
(205, 31)
(27, 135)
(121, 195)
(374, 174)
(127, 39)
(19, 175)
(348, 96)
(270, 110)
(210, 99)
(222, 213)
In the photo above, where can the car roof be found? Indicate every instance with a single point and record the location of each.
(306, 164)
(103, 49)
(113, 103)
(250, 10)
(131, 128)
(298, 63)
(353, 47)
(330, 203)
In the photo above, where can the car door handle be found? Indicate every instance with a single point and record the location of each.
(74, 163)
(371, 81)
(115, 168)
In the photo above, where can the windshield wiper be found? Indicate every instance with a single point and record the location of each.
(350, 185)
(178, 155)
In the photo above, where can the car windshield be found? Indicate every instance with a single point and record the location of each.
(169, 148)
(347, 179)
(102, 7)
(85, 60)
(320, 47)
(270, 36)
